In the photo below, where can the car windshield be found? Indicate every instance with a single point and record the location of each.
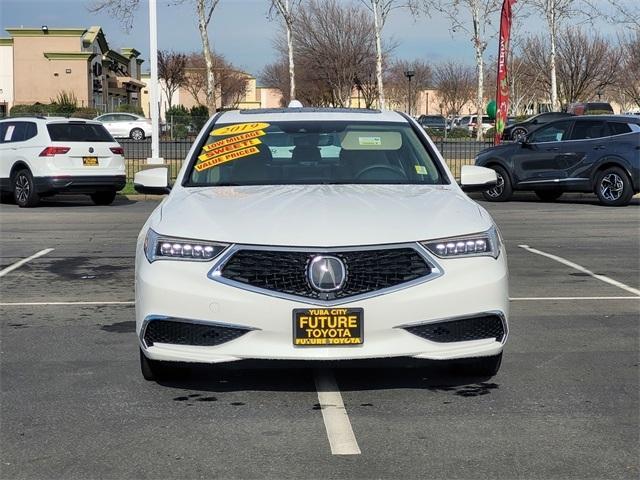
(313, 152)
(78, 132)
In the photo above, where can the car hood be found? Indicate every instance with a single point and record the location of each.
(320, 215)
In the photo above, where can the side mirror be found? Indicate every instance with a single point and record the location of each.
(154, 181)
(477, 179)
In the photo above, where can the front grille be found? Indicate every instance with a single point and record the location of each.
(286, 271)
(476, 328)
(186, 333)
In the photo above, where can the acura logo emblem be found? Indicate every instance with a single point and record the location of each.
(326, 274)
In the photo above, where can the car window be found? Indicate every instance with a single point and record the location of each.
(314, 152)
(78, 132)
(555, 132)
(619, 128)
(585, 129)
(106, 118)
(129, 118)
(19, 132)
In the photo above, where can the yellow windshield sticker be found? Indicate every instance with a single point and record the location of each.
(370, 141)
(421, 170)
(229, 148)
(227, 157)
(237, 138)
(238, 128)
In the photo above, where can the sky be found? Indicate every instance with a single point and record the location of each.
(240, 30)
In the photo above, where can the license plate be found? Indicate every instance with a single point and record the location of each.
(90, 161)
(318, 327)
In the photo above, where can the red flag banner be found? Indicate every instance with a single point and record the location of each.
(502, 88)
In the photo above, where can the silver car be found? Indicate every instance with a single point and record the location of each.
(126, 125)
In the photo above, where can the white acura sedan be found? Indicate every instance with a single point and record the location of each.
(318, 234)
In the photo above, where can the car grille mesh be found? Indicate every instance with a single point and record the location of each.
(186, 333)
(476, 328)
(286, 271)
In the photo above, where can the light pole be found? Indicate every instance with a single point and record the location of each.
(356, 80)
(409, 74)
(153, 86)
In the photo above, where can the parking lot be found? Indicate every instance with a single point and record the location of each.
(564, 405)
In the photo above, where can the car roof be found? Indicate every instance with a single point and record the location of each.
(310, 114)
(49, 119)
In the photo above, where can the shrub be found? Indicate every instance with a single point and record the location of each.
(128, 108)
(64, 104)
(85, 112)
(33, 109)
(458, 133)
(199, 116)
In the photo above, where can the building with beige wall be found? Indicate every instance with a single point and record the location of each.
(255, 96)
(47, 61)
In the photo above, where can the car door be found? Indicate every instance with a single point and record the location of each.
(110, 123)
(6, 151)
(540, 157)
(587, 144)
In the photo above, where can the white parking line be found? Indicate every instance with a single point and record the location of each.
(38, 304)
(19, 263)
(580, 268)
(542, 299)
(336, 420)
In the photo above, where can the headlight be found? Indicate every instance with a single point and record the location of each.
(161, 247)
(476, 245)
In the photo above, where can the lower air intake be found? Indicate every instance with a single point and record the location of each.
(475, 328)
(186, 333)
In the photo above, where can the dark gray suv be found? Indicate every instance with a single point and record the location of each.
(599, 154)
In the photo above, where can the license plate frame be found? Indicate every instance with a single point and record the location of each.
(90, 162)
(333, 319)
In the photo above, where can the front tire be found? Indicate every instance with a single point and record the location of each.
(548, 195)
(503, 191)
(24, 189)
(479, 366)
(155, 370)
(137, 134)
(613, 187)
(103, 198)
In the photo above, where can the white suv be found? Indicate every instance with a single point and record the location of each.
(368, 249)
(45, 156)
(126, 125)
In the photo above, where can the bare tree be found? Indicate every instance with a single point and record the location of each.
(171, 69)
(276, 75)
(381, 10)
(398, 84)
(585, 64)
(555, 12)
(286, 10)
(471, 17)
(231, 84)
(124, 10)
(618, 12)
(455, 84)
(629, 75)
(335, 42)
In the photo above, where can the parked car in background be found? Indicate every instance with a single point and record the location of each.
(518, 131)
(472, 126)
(590, 108)
(433, 123)
(598, 153)
(126, 125)
(42, 156)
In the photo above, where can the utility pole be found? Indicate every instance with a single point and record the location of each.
(409, 74)
(153, 86)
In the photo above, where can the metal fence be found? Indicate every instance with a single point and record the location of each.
(457, 152)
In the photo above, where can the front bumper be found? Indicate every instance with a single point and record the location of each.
(79, 184)
(182, 290)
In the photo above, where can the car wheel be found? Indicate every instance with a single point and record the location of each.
(613, 187)
(24, 190)
(503, 189)
(518, 134)
(155, 370)
(478, 366)
(548, 195)
(103, 198)
(137, 134)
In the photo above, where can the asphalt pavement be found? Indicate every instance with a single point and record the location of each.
(564, 405)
